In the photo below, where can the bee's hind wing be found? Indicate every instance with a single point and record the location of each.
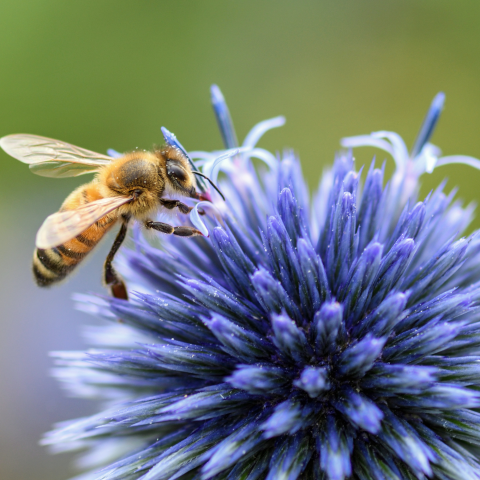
(61, 227)
(53, 158)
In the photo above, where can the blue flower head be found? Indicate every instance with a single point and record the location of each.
(320, 339)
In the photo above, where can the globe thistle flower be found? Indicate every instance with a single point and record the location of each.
(327, 339)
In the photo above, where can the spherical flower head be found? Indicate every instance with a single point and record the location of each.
(331, 338)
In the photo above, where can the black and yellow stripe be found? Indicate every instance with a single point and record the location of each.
(54, 264)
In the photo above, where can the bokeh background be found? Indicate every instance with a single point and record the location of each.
(109, 73)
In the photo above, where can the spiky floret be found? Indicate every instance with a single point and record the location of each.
(326, 340)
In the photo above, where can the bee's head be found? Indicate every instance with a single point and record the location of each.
(179, 176)
(179, 169)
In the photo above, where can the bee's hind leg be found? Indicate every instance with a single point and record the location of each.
(169, 230)
(111, 277)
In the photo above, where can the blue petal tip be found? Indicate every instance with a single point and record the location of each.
(216, 94)
(429, 124)
(169, 137)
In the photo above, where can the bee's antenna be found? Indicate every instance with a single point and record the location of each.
(195, 172)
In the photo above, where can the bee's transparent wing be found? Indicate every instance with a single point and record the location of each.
(52, 158)
(61, 227)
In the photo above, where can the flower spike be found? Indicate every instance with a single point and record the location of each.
(429, 124)
(224, 120)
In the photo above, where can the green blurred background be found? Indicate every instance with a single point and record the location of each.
(103, 74)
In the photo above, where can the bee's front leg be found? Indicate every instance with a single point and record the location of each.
(170, 230)
(171, 204)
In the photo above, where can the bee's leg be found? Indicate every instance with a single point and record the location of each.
(171, 204)
(169, 230)
(111, 277)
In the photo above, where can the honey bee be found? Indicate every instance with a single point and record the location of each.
(130, 187)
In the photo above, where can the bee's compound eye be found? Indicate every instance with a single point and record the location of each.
(176, 171)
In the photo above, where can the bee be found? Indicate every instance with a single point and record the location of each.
(131, 187)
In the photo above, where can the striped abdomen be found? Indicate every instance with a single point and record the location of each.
(54, 264)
